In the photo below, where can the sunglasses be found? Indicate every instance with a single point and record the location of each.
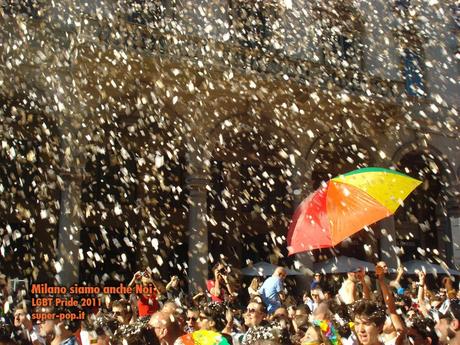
(251, 310)
(192, 318)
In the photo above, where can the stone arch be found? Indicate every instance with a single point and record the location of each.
(146, 162)
(29, 173)
(329, 138)
(332, 154)
(423, 146)
(250, 186)
(421, 223)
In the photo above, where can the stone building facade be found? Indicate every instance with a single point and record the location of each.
(168, 133)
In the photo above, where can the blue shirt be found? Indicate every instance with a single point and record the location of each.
(269, 292)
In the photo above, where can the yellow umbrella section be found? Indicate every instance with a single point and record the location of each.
(388, 187)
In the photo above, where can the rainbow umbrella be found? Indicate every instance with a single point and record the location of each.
(345, 205)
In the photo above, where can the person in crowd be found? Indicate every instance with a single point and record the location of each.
(147, 304)
(259, 328)
(272, 290)
(396, 283)
(316, 298)
(368, 319)
(448, 325)
(219, 288)
(317, 282)
(24, 327)
(123, 312)
(348, 293)
(315, 336)
(394, 326)
(165, 327)
(191, 319)
(5, 312)
(174, 290)
(254, 287)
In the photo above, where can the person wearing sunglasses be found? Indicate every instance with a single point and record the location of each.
(191, 320)
(122, 312)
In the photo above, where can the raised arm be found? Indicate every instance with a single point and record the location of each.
(397, 282)
(421, 293)
(389, 300)
(136, 277)
(361, 275)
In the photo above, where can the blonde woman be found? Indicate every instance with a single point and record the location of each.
(254, 287)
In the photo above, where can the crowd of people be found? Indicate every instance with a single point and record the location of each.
(358, 308)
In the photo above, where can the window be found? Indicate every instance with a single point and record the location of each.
(149, 12)
(413, 73)
(29, 8)
(340, 32)
(402, 4)
(253, 22)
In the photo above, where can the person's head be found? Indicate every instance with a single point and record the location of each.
(317, 277)
(169, 307)
(280, 314)
(174, 281)
(448, 325)
(192, 317)
(422, 331)
(316, 295)
(327, 295)
(165, 327)
(255, 283)
(212, 317)
(352, 276)
(255, 314)
(292, 309)
(280, 272)
(314, 336)
(21, 318)
(147, 281)
(383, 265)
(122, 312)
(369, 319)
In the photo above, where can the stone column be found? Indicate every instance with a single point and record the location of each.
(67, 261)
(197, 234)
(299, 191)
(388, 248)
(198, 178)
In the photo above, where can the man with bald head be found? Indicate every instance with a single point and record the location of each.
(272, 290)
(166, 327)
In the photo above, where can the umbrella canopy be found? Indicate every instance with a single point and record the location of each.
(346, 204)
(263, 269)
(413, 266)
(342, 264)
